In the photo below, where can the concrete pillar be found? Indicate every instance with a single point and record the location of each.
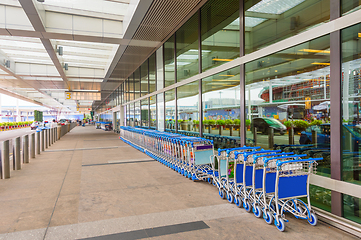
(114, 121)
(42, 141)
(38, 143)
(46, 138)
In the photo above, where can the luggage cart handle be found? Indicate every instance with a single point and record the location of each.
(270, 155)
(280, 163)
(228, 150)
(266, 160)
(261, 151)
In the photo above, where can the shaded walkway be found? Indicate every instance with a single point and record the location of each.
(92, 184)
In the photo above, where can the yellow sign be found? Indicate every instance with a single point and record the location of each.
(68, 95)
(308, 103)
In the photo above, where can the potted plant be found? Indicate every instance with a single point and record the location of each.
(300, 125)
(220, 125)
(248, 124)
(315, 122)
(2, 126)
(195, 125)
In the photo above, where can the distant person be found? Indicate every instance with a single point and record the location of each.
(54, 124)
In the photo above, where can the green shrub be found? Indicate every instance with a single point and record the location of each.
(248, 122)
(205, 122)
(316, 122)
(180, 120)
(195, 122)
(237, 122)
(220, 122)
(212, 122)
(229, 122)
(287, 124)
(301, 124)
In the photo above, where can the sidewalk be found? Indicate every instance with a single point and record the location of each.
(91, 184)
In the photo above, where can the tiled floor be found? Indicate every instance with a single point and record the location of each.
(91, 184)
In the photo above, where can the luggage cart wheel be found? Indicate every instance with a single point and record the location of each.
(246, 205)
(267, 216)
(280, 224)
(257, 211)
(222, 193)
(230, 197)
(238, 202)
(313, 219)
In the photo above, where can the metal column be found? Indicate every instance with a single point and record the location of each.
(49, 136)
(32, 145)
(6, 159)
(26, 149)
(46, 138)
(38, 143)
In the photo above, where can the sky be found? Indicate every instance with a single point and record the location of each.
(11, 102)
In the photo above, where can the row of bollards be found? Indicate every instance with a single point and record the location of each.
(23, 149)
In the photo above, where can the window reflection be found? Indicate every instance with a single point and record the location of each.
(349, 6)
(267, 22)
(169, 67)
(221, 108)
(153, 112)
(152, 73)
(188, 114)
(145, 112)
(287, 101)
(144, 78)
(137, 114)
(170, 110)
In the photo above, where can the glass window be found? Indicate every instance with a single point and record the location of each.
(137, 113)
(187, 49)
(137, 83)
(349, 6)
(220, 32)
(160, 112)
(320, 197)
(131, 114)
(267, 22)
(352, 208)
(169, 62)
(131, 87)
(144, 78)
(221, 107)
(145, 112)
(290, 90)
(160, 69)
(351, 110)
(152, 73)
(126, 90)
(170, 110)
(153, 112)
(187, 107)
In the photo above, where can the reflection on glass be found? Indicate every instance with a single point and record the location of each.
(137, 83)
(320, 197)
(160, 112)
(220, 32)
(152, 73)
(352, 208)
(187, 49)
(169, 62)
(267, 22)
(126, 91)
(131, 114)
(137, 114)
(351, 110)
(145, 112)
(170, 110)
(187, 102)
(288, 92)
(127, 123)
(144, 78)
(153, 112)
(221, 108)
(349, 6)
(131, 87)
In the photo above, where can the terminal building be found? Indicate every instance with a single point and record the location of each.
(225, 70)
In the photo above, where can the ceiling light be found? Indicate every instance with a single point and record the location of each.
(7, 63)
(359, 35)
(319, 63)
(222, 60)
(226, 75)
(41, 1)
(66, 67)
(84, 90)
(314, 51)
(60, 50)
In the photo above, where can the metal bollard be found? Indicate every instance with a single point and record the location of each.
(255, 136)
(291, 136)
(46, 138)
(314, 138)
(6, 159)
(52, 136)
(26, 149)
(32, 145)
(271, 140)
(17, 154)
(38, 143)
(42, 141)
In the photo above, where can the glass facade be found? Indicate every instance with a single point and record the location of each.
(267, 22)
(187, 49)
(286, 91)
(220, 32)
(187, 107)
(351, 110)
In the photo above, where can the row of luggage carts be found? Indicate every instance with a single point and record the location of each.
(269, 183)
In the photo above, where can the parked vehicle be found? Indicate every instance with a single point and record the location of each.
(263, 124)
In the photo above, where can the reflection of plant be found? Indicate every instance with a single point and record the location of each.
(301, 124)
(220, 122)
(196, 122)
(206, 122)
(212, 122)
(237, 122)
(248, 122)
(316, 122)
(287, 124)
(229, 122)
(180, 120)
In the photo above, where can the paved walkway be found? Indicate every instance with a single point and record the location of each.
(91, 184)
